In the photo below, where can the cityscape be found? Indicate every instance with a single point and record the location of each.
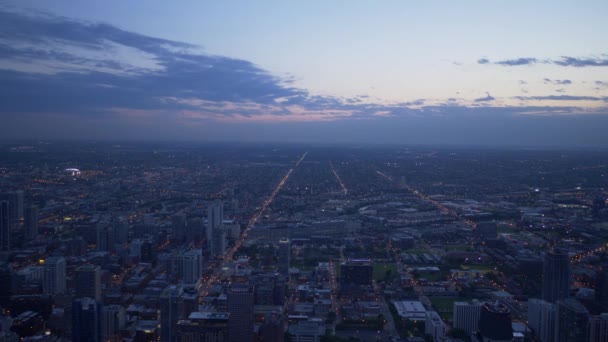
(283, 171)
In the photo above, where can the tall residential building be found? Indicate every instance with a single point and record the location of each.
(572, 322)
(240, 307)
(86, 320)
(601, 287)
(466, 316)
(171, 309)
(5, 226)
(284, 255)
(88, 282)
(54, 275)
(556, 276)
(187, 266)
(113, 320)
(31, 222)
(216, 237)
(203, 327)
(434, 326)
(598, 328)
(541, 318)
(495, 322)
(16, 200)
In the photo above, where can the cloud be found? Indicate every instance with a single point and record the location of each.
(582, 62)
(518, 61)
(561, 98)
(487, 98)
(556, 82)
(566, 61)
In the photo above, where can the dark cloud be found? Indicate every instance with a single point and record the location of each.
(582, 62)
(556, 82)
(487, 98)
(522, 82)
(518, 61)
(483, 61)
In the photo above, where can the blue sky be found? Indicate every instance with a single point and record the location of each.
(434, 72)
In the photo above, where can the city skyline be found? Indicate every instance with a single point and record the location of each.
(513, 74)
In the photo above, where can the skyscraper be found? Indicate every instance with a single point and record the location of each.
(598, 328)
(240, 307)
(556, 276)
(54, 275)
(187, 266)
(86, 320)
(466, 316)
(601, 286)
(216, 237)
(171, 309)
(572, 323)
(31, 222)
(495, 322)
(5, 226)
(88, 282)
(112, 322)
(541, 318)
(203, 327)
(284, 254)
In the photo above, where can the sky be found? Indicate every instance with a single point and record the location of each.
(489, 73)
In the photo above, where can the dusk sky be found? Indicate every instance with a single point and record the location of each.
(515, 73)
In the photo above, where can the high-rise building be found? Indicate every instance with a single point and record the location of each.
(572, 323)
(240, 307)
(495, 323)
(86, 320)
(88, 282)
(216, 237)
(113, 320)
(5, 226)
(556, 276)
(31, 222)
(120, 228)
(16, 200)
(187, 266)
(601, 287)
(434, 326)
(6, 283)
(598, 328)
(541, 318)
(203, 327)
(54, 275)
(171, 309)
(284, 255)
(273, 328)
(466, 316)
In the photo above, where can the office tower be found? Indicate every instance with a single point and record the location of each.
(572, 323)
(203, 327)
(601, 287)
(495, 322)
(556, 276)
(171, 309)
(273, 328)
(105, 237)
(86, 320)
(466, 316)
(31, 222)
(284, 254)
(113, 320)
(598, 328)
(5, 226)
(216, 237)
(541, 318)
(54, 275)
(240, 307)
(88, 282)
(120, 227)
(357, 272)
(16, 200)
